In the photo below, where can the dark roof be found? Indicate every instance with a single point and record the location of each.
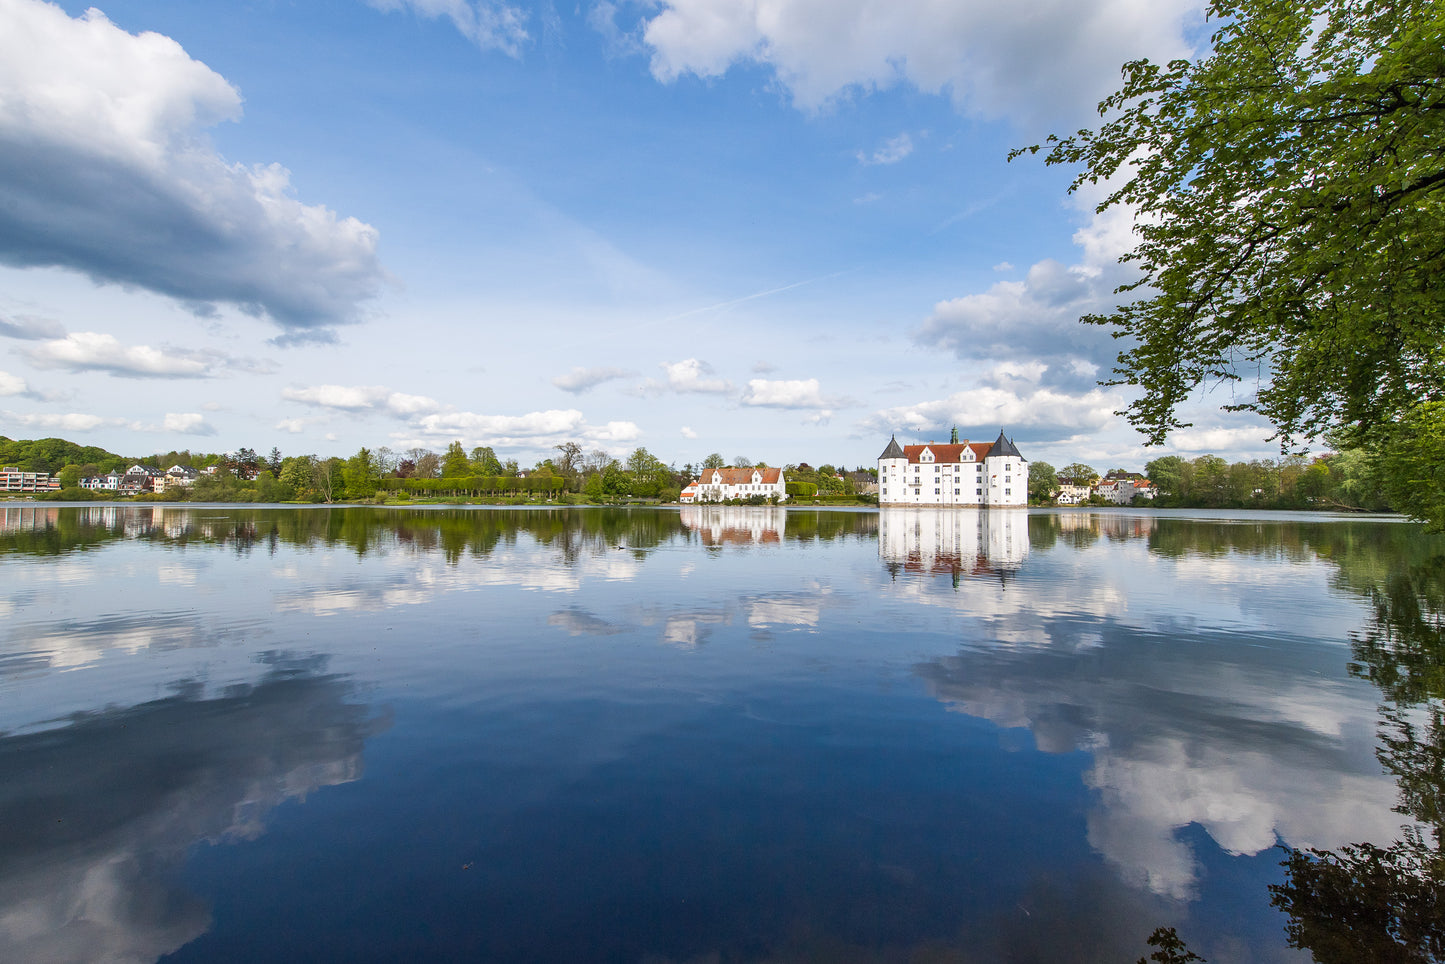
(892, 451)
(1004, 447)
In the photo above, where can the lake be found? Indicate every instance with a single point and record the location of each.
(700, 735)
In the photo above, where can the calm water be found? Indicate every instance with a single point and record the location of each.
(235, 734)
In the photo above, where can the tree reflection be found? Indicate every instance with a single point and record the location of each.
(454, 532)
(1364, 902)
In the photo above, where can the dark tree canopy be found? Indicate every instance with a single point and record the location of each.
(1290, 190)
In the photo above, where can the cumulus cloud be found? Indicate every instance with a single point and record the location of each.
(188, 423)
(89, 351)
(893, 150)
(689, 375)
(14, 385)
(803, 393)
(580, 379)
(361, 398)
(1043, 414)
(105, 170)
(1237, 439)
(532, 430)
(70, 422)
(1047, 58)
(488, 24)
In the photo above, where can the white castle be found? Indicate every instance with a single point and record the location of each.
(959, 473)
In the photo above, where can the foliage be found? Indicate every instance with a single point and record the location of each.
(1078, 473)
(454, 463)
(1170, 948)
(53, 454)
(1410, 458)
(714, 461)
(1290, 200)
(1043, 480)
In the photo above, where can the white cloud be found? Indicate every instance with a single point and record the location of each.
(690, 375)
(1214, 440)
(580, 379)
(13, 385)
(788, 393)
(83, 351)
(1049, 414)
(1031, 58)
(893, 150)
(488, 24)
(688, 432)
(532, 430)
(105, 169)
(296, 425)
(362, 398)
(1003, 266)
(70, 422)
(188, 423)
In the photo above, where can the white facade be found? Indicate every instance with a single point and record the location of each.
(956, 474)
(716, 485)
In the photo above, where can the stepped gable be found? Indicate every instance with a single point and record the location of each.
(1004, 447)
(892, 451)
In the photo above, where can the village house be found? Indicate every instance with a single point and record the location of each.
(965, 474)
(718, 485)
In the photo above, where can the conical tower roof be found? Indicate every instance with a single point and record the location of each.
(893, 451)
(1003, 447)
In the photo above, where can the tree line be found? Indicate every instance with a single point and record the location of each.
(1353, 479)
(377, 474)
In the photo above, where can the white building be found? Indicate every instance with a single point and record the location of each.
(967, 473)
(14, 480)
(715, 485)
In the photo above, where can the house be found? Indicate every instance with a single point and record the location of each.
(966, 473)
(137, 479)
(14, 480)
(689, 494)
(1072, 492)
(177, 476)
(717, 485)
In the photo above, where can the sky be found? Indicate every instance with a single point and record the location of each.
(777, 229)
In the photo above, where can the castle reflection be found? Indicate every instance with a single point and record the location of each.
(954, 542)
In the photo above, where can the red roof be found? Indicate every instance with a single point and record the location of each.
(742, 476)
(947, 453)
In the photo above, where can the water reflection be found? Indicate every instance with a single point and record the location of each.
(730, 723)
(97, 816)
(952, 542)
(454, 532)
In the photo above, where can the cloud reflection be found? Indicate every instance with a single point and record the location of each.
(97, 816)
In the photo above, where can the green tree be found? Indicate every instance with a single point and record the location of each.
(714, 461)
(1043, 480)
(1290, 198)
(1078, 473)
(485, 462)
(69, 477)
(1167, 473)
(361, 475)
(454, 463)
(1411, 464)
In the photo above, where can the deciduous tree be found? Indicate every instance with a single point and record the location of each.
(1290, 197)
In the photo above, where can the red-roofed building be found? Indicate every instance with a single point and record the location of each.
(962, 474)
(716, 485)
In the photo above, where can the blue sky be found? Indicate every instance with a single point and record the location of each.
(782, 229)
